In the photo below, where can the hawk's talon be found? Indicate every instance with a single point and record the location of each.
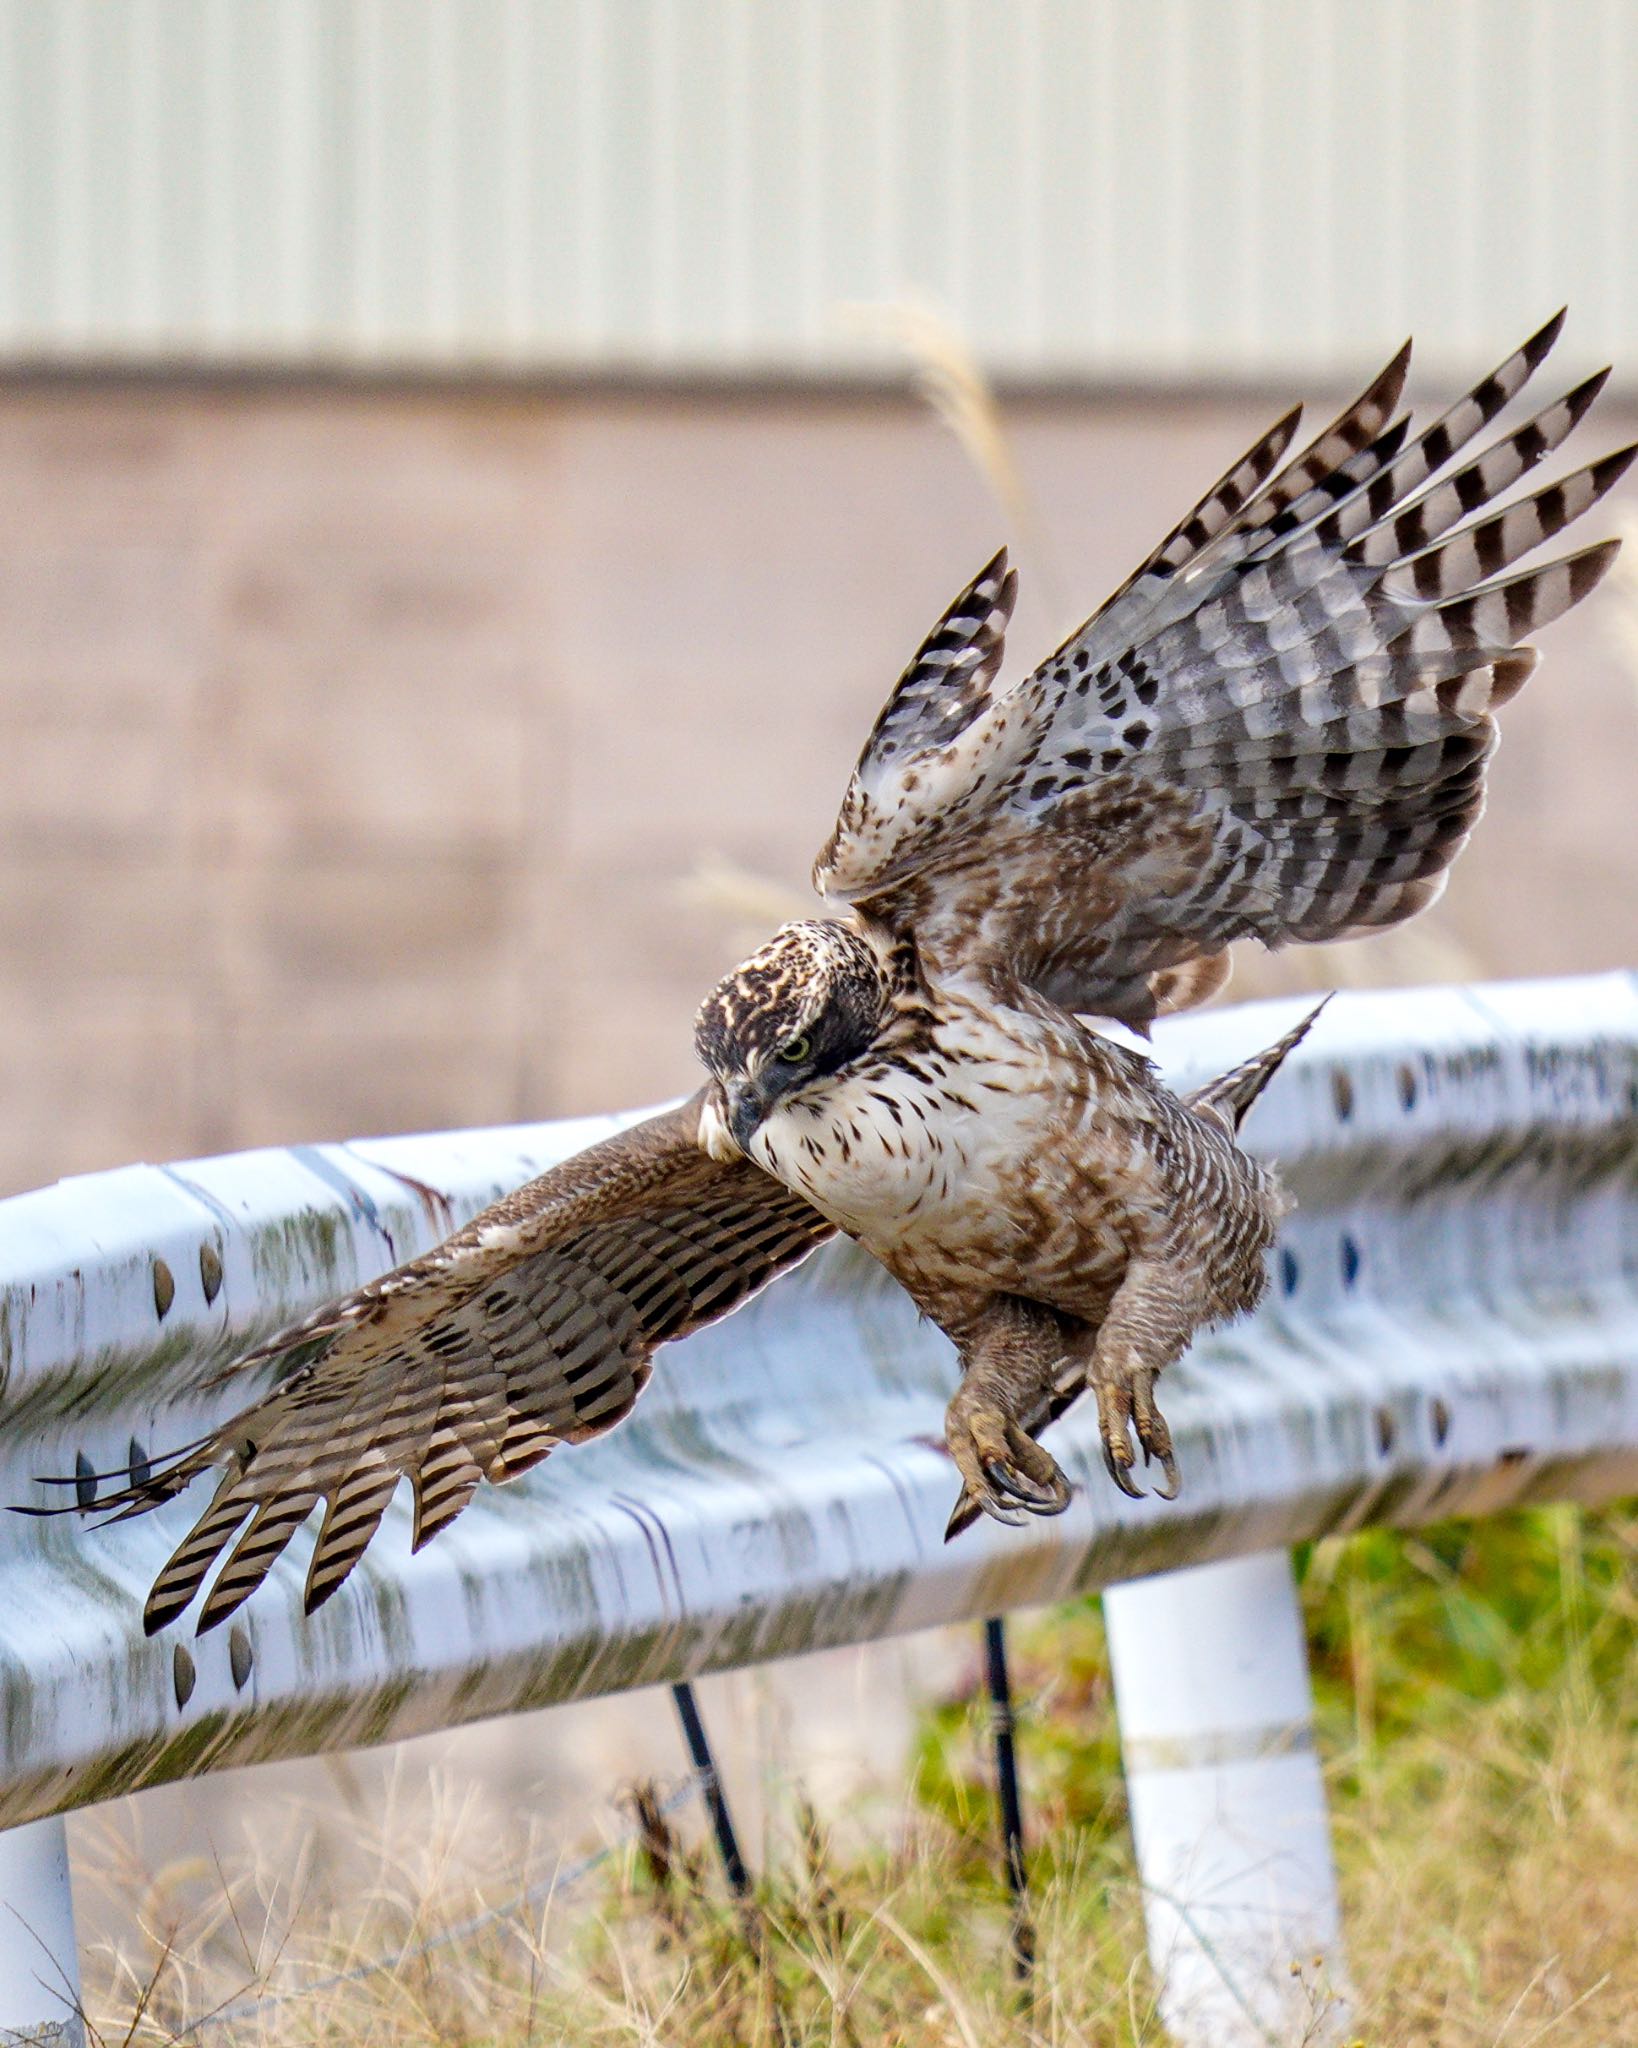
(1007, 1473)
(1126, 1408)
(1153, 1434)
(1004, 1484)
(999, 1510)
(1121, 1474)
(1015, 1485)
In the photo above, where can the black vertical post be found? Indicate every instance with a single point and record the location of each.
(1006, 1778)
(705, 1769)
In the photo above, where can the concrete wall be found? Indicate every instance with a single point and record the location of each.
(354, 745)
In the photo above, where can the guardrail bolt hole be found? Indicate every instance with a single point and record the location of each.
(1441, 1421)
(1288, 1272)
(1407, 1086)
(164, 1287)
(1350, 1261)
(184, 1675)
(210, 1272)
(240, 1656)
(85, 1481)
(137, 1458)
(1342, 1093)
(1386, 1430)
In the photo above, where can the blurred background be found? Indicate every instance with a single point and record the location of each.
(471, 469)
(467, 480)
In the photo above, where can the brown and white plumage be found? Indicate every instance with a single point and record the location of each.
(1277, 728)
(533, 1326)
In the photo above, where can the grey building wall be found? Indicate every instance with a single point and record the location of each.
(1094, 190)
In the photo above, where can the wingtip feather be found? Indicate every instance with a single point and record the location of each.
(158, 1614)
(314, 1597)
(1539, 344)
(962, 1516)
(219, 1608)
(1587, 390)
(1589, 568)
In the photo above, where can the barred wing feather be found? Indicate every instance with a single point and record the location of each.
(1276, 729)
(533, 1326)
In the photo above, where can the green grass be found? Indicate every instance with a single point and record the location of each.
(1477, 1701)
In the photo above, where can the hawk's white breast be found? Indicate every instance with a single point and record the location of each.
(910, 1146)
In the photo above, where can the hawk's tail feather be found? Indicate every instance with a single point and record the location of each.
(1231, 1095)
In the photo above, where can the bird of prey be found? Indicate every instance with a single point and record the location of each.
(1276, 729)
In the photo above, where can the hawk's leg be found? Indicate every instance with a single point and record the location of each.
(1010, 1358)
(1148, 1326)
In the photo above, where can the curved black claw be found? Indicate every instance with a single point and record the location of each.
(1126, 1408)
(1037, 1497)
(1006, 1473)
(1122, 1476)
(1153, 1434)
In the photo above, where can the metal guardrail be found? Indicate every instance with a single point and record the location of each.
(1453, 1327)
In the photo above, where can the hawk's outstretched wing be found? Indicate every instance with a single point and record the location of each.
(1276, 729)
(531, 1327)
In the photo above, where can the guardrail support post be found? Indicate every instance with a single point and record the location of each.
(1228, 1807)
(39, 1960)
(1002, 1726)
(710, 1784)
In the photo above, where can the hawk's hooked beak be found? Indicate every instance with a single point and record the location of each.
(730, 1117)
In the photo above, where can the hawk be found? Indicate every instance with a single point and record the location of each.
(1276, 729)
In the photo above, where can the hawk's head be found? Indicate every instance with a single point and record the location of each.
(797, 1011)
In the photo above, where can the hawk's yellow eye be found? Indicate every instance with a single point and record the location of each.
(795, 1050)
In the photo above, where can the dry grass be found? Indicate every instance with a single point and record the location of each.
(949, 379)
(1491, 1883)
(1478, 1700)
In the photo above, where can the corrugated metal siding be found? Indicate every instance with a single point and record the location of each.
(1097, 189)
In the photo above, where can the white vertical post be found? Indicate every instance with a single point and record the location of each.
(1228, 1808)
(39, 1961)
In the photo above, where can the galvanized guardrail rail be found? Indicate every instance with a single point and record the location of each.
(1453, 1328)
